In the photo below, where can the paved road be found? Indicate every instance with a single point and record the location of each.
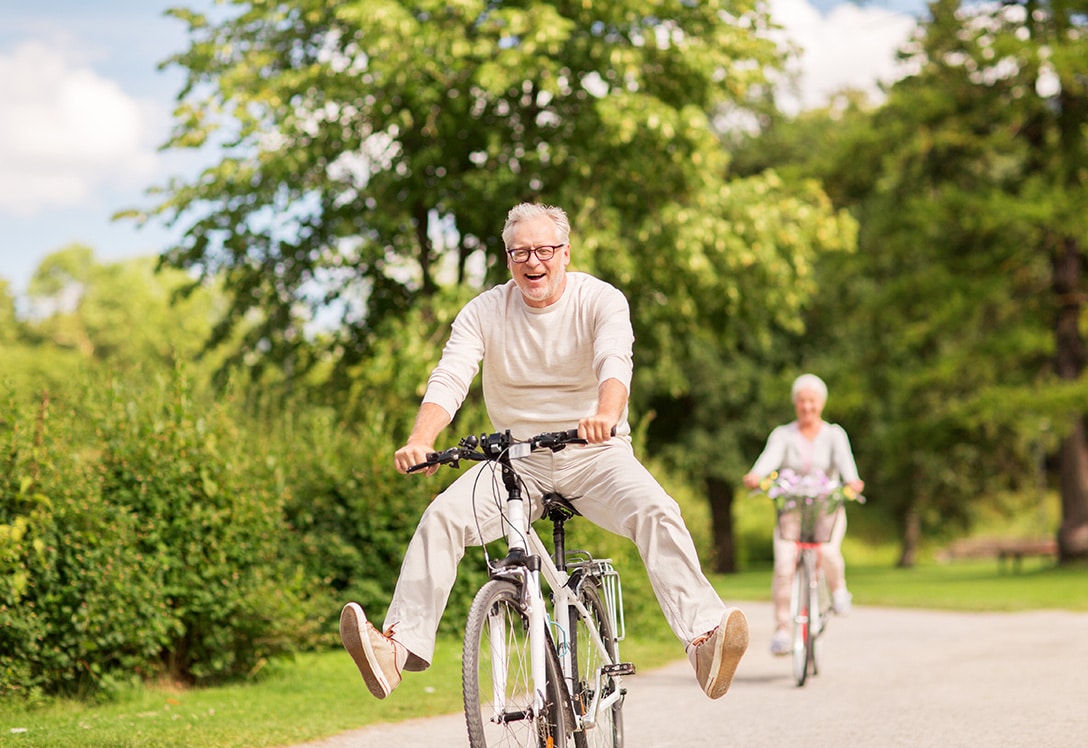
(890, 678)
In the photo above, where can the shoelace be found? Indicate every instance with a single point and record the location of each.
(388, 635)
(701, 639)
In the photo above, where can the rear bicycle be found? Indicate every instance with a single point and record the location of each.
(808, 521)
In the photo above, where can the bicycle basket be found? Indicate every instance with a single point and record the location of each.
(808, 519)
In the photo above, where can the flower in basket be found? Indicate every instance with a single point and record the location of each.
(788, 488)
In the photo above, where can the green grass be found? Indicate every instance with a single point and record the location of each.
(963, 585)
(318, 695)
(315, 696)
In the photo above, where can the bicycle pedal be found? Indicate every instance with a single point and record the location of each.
(620, 668)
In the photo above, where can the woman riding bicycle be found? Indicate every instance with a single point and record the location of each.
(556, 352)
(807, 445)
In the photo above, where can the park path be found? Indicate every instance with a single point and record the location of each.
(890, 678)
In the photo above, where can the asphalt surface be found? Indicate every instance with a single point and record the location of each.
(888, 678)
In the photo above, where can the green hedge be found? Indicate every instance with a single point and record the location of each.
(139, 537)
(150, 530)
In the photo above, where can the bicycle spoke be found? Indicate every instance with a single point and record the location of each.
(500, 705)
(593, 690)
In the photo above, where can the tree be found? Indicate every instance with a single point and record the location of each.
(9, 326)
(720, 283)
(120, 313)
(369, 152)
(967, 288)
(1009, 155)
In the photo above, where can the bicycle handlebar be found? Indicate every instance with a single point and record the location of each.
(493, 446)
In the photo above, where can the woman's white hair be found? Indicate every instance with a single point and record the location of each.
(809, 382)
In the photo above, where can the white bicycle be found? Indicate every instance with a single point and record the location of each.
(541, 671)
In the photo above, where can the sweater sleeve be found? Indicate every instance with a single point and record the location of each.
(774, 453)
(451, 378)
(843, 456)
(614, 338)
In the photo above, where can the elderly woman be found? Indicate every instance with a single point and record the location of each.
(807, 445)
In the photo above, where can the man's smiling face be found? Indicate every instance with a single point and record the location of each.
(541, 281)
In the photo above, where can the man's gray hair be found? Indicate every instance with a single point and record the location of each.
(810, 382)
(525, 211)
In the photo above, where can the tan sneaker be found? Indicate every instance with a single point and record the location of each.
(379, 658)
(716, 654)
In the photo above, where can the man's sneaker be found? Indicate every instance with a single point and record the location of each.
(379, 658)
(841, 601)
(780, 643)
(715, 654)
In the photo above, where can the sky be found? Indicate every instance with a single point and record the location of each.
(84, 107)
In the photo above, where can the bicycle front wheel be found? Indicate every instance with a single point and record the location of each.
(821, 614)
(799, 611)
(497, 678)
(591, 685)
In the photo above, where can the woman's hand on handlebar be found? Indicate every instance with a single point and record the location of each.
(414, 453)
(596, 429)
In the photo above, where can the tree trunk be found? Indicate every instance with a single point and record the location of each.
(1073, 531)
(1069, 364)
(912, 531)
(720, 495)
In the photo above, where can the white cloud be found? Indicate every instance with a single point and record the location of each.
(66, 132)
(850, 47)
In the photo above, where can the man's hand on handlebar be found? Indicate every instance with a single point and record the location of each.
(596, 429)
(414, 454)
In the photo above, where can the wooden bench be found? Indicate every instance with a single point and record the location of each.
(1009, 552)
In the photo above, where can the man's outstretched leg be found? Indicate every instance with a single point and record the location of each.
(378, 656)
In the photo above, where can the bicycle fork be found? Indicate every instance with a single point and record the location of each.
(533, 600)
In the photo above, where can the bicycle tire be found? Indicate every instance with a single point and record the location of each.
(823, 616)
(586, 660)
(799, 612)
(497, 640)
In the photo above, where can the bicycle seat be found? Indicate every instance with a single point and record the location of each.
(560, 505)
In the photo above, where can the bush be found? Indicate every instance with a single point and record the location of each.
(353, 515)
(75, 602)
(210, 525)
(140, 536)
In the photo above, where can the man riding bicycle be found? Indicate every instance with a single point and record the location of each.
(556, 350)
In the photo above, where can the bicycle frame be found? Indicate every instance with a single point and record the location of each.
(568, 673)
(808, 609)
(527, 561)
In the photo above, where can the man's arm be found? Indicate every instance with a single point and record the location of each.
(611, 400)
(430, 421)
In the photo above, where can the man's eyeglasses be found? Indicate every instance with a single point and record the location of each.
(545, 253)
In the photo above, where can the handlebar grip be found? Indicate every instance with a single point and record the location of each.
(573, 433)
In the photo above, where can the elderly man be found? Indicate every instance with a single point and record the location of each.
(555, 347)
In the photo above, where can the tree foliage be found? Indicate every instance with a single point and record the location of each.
(369, 150)
(121, 313)
(963, 184)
